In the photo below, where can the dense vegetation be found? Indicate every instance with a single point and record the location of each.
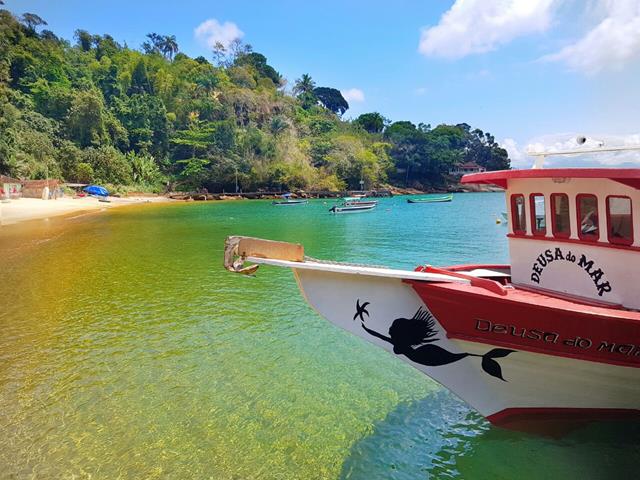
(98, 111)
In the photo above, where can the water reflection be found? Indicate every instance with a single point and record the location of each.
(440, 437)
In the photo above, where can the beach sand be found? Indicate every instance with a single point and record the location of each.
(24, 209)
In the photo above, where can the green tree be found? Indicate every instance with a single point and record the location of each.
(278, 125)
(140, 83)
(109, 165)
(84, 39)
(83, 173)
(145, 119)
(259, 63)
(154, 44)
(51, 99)
(169, 46)
(144, 169)
(371, 122)
(86, 119)
(32, 21)
(331, 99)
(482, 148)
(304, 85)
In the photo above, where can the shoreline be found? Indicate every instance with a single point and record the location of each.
(26, 209)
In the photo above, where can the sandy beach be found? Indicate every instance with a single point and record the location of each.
(25, 209)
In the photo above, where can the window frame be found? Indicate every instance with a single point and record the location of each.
(587, 237)
(532, 208)
(552, 199)
(616, 240)
(514, 212)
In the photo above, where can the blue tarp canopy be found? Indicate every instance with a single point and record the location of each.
(96, 190)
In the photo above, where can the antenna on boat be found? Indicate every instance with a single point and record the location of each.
(580, 140)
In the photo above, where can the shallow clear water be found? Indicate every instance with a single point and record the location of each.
(126, 351)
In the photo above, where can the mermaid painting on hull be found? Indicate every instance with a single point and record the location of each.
(414, 337)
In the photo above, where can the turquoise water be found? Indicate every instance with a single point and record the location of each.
(128, 352)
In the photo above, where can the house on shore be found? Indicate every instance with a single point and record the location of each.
(10, 187)
(44, 189)
(460, 169)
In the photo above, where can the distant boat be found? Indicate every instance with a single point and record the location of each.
(352, 208)
(358, 201)
(444, 198)
(289, 201)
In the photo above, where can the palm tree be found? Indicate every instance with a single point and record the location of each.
(169, 46)
(278, 125)
(304, 85)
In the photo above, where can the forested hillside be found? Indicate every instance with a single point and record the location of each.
(94, 110)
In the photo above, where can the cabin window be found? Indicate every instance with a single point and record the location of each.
(538, 215)
(588, 228)
(619, 220)
(560, 215)
(518, 214)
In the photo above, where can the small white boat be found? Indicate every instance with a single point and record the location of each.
(289, 201)
(352, 208)
(441, 199)
(358, 201)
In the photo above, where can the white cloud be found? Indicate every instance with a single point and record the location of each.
(353, 95)
(209, 32)
(610, 44)
(517, 156)
(420, 91)
(479, 26)
(566, 141)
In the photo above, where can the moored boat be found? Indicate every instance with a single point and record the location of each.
(553, 335)
(289, 201)
(358, 201)
(353, 208)
(440, 199)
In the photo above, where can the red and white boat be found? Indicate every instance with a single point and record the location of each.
(553, 335)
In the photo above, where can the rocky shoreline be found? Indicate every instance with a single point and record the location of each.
(388, 191)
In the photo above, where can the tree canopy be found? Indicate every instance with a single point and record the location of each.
(332, 99)
(94, 110)
(371, 122)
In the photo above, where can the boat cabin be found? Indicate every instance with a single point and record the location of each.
(573, 232)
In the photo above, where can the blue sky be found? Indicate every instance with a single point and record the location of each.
(528, 71)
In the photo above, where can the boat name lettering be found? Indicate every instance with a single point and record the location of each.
(549, 256)
(622, 348)
(531, 334)
(582, 343)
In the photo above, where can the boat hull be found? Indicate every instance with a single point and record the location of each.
(503, 382)
(291, 202)
(430, 200)
(352, 209)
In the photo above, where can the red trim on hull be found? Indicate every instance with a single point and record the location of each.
(626, 176)
(534, 322)
(557, 420)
